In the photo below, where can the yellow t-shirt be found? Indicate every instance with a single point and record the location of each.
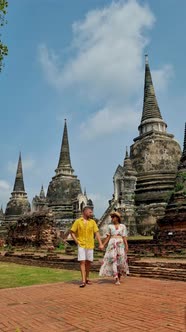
(85, 232)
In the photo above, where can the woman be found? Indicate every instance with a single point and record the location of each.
(115, 259)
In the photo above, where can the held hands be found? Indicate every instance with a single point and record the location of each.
(101, 246)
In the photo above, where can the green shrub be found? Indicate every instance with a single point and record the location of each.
(179, 187)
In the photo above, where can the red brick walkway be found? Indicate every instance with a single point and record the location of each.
(136, 305)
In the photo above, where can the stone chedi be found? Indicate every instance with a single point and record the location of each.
(64, 196)
(2, 216)
(154, 157)
(172, 227)
(18, 203)
(123, 199)
(39, 201)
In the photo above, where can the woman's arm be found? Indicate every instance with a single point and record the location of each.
(125, 243)
(106, 240)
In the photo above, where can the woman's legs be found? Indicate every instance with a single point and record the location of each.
(117, 281)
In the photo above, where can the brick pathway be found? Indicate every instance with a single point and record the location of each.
(136, 305)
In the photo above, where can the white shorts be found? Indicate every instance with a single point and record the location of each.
(85, 254)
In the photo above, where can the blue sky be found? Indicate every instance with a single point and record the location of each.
(84, 60)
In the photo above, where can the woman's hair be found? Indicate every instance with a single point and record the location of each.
(119, 220)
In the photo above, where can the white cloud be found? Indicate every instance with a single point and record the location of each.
(108, 45)
(108, 120)
(106, 63)
(49, 63)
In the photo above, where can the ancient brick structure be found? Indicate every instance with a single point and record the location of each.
(142, 192)
(172, 227)
(18, 203)
(33, 229)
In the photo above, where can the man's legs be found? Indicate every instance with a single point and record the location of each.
(83, 271)
(87, 269)
(89, 259)
(85, 257)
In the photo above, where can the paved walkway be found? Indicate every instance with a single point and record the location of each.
(138, 304)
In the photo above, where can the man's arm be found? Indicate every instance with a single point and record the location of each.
(73, 231)
(74, 237)
(99, 240)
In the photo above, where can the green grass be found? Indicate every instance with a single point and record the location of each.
(140, 237)
(14, 275)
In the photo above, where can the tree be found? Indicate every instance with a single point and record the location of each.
(3, 48)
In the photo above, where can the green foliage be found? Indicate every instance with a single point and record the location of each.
(183, 175)
(61, 246)
(179, 187)
(168, 195)
(3, 47)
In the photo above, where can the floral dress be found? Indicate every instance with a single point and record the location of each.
(115, 259)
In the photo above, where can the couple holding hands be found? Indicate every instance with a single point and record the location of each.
(114, 262)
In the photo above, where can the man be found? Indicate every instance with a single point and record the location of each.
(83, 231)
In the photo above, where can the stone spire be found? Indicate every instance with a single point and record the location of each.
(2, 217)
(19, 183)
(127, 164)
(64, 164)
(182, 163)
(150, 104)
(151, 116)
(1, 211)
(64, 190)
(39, 202)
(42, 193)
(126, 153)
(18, 203)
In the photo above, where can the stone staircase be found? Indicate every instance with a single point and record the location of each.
(167, 269)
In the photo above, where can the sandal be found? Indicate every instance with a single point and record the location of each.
(117, 282)
(88, 282)
(82, 285)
